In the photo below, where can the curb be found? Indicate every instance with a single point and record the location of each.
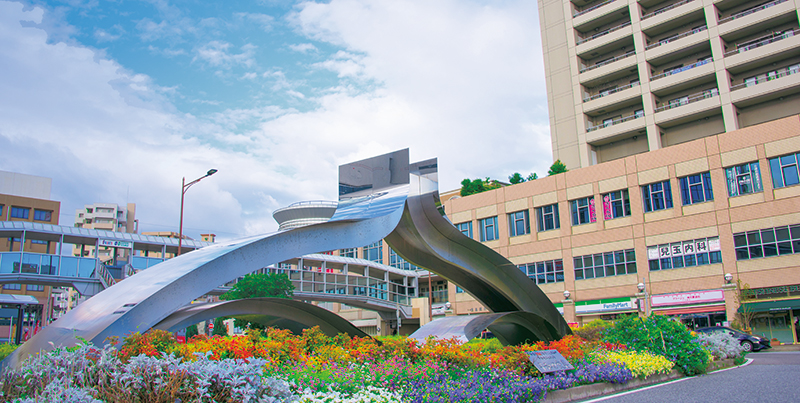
(603, 389)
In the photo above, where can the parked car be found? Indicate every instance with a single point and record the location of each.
(749, 342)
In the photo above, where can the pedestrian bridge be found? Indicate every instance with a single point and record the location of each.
(316, 277)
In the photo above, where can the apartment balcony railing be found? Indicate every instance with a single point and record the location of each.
(667, 8)
(606, 32)
(675, 37)
(607, 61)
(751, 11)
(688, 99)
(615, 122)
(611, 91)
(764, 40)
(767, 77)
(681, 69)
(592, 8)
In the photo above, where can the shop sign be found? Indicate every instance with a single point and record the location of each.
(684, 298)
(116, 244)
(683, 248)
(773, 292)
(607, 307)
(549, 361)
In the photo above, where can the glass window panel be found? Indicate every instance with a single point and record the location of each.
(715, 257)
(795, 230)
(579, 274)
(754, 237)
(756, 251)
(770, 249)
(654, 265)
(631, 268)
(690, 260)
(740, 240)
(677, 261)
(578, 262)
(630, 255)
(775, 168)
(767, 235)
(666, 264)
(609, 258)
(781, 234)
(588, 273)
(620, 269)
(785, 248)
(796, 245)
(610, 271)
(790, 176)
(742, 254)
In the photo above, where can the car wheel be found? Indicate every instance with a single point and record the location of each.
(748, 346)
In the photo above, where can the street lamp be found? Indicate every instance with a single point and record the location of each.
(728, 278)
(566, 294)
(184, 188)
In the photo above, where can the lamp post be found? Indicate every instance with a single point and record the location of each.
(184, 188)
(643, 289)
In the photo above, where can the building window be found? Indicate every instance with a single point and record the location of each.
(605, 264)
(657, 196)
(12, 286)
(374, 252)
(397, 261)
(34, 287)
(616, 204)
(548, 217)
(1, 209)
(784, 240)
(459, 290)
(465, 228)
(20, 212)
(42, 215)
(696, 188)
(583, 211)
(348, 252)
(784, 171)
(519, 223)
(488, 227)
(744, 179)
(696, 252)
(549, 271)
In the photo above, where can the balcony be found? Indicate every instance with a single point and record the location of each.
(677, 111)
(616, 128)
(598, 14)
(689, 74)
(615, 33)
(670, 13)
(767, 86)
(591, 8)
(611, 97)
(607, 61)
(676, 43)
(750, 16)
(763, 49)
(679, 70)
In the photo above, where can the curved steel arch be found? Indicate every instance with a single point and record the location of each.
(276, 312)
(509, 327)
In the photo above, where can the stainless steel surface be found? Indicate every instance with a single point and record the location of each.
(278, 312)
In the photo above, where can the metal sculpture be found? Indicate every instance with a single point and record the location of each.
(374, 204)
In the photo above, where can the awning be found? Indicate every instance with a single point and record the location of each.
(691, 309)
(771, 306)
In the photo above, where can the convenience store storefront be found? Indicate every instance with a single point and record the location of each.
(774, 312)
(606, 309)
(695, 309)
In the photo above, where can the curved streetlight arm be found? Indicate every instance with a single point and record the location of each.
(184, 187)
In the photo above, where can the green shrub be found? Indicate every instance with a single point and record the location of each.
(592, 331)
(6, 349)
(661, 336)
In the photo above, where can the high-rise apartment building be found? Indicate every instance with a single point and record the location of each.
(627, 77)
(109, 217)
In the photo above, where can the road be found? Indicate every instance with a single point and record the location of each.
(771, 377)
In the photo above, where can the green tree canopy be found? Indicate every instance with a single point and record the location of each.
(533, 176)
(258, 285)
(219, 328)
(516, 178)
(191, 331)
(557, 168)
(469, 187)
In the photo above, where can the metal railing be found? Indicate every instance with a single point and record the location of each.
(689, 99)
(764, 40)
(607, 61)
(615, 122)
(592, 8)
(751, 11)
(788, 71)
(606, 32)
(611, 91)
(667, 8)
(681, 69)
(105, 276)
(47, 265)
(675, 37)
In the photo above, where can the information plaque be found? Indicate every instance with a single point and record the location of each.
(549, 361)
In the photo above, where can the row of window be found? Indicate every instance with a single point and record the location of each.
(549, 271)
(29, 287)
(784, 240)
(695, 252)
(24, 213)
(741, 179)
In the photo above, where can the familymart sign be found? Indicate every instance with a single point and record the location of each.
(603, 307)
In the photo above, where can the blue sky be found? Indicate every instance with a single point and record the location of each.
(117, 100)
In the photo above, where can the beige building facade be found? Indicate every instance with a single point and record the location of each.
(629, 76)
(684, 223)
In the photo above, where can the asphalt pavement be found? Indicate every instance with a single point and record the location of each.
(770, 377)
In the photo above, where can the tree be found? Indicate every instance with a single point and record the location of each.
(743, 297)
(516, 178)
(557, 168)
(533, 176)
(219, 327)
(258, 285)
(191, 331)
(470, 187)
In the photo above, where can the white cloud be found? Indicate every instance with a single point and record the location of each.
(303, 48)
(249, 76)
(264, 20)
(344, 64)
(111, 35)
(218, 54)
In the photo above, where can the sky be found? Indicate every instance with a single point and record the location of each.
(117, 101)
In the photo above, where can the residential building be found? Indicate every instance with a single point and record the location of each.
(109, 217)
(628, 77)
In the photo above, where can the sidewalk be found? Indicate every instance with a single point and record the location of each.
(782, 348)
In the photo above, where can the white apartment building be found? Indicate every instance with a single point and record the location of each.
(629, 76)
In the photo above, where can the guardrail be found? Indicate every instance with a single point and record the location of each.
(105, 276)
(764, 40)
(750, 11)
(675, 37)
(689, 99)
(48, 265)
(681, 69)
(592, 8)
(614, 122)
(760, 80)
(612, 91)
(606, 32)
(667, 8)
(608, 61)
